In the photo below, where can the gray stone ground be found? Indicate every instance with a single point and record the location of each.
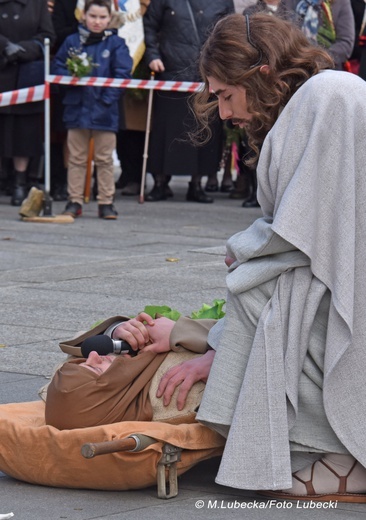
(58, 279)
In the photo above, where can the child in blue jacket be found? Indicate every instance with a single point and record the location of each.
(92, 112)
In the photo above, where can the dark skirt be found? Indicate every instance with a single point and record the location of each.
(21, 135)
(170, 151)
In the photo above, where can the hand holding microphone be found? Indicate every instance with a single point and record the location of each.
(105, 345)
(144, 332)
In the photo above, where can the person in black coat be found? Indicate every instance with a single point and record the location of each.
(64, 20)
(359, 49)
(174, 33)
(246, 182)
(64, 23)
(24, 24)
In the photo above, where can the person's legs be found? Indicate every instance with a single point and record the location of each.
(58, 172)
(160, 190)
(21, 138)
(195, 192)
(232, 396)
(78, 145)
(130, 150)
(104, 144)
(332, 473)
(333, 476)
(252, 201)
(244, 188)
(20, 163)
(227, 179)
(232, 338)
(208, 159)
(20, 180)
(160, 140)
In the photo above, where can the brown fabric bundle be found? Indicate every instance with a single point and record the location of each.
(79, 398)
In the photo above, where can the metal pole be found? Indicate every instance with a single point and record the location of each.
(146, 146)
(47, 205)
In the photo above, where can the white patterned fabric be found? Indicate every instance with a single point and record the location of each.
(309, 11)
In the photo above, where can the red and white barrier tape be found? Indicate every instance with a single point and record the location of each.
(174, 86)
(24, 95)
(41, 92)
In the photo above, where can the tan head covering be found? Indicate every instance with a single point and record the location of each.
(79, 398)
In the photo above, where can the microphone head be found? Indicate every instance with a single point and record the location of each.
(101, 344)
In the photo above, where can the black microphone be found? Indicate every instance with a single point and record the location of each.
(105, 345)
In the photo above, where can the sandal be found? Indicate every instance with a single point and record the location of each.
(325, 483)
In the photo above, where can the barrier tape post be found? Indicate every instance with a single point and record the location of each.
(47, 208)
(47, 200)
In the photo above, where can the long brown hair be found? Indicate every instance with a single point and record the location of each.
(233, 57)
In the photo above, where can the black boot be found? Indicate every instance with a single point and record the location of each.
(158, 192)
(196, 194)
(19, 188)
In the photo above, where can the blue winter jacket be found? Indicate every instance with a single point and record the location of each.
(94, 108)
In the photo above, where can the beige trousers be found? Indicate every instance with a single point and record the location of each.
(78, 145)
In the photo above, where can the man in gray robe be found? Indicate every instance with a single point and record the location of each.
(288, 374)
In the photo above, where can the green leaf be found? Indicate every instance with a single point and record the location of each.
(213, 311)
(163, 310)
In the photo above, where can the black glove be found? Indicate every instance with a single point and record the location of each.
(12, 51)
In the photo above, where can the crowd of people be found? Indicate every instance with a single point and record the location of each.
(174, 34)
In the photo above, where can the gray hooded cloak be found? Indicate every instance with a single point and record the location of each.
(290, 364)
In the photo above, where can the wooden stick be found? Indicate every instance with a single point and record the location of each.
(57, 219)
(146, 146)
(101, 448)
(134, 442)
(89, 171)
